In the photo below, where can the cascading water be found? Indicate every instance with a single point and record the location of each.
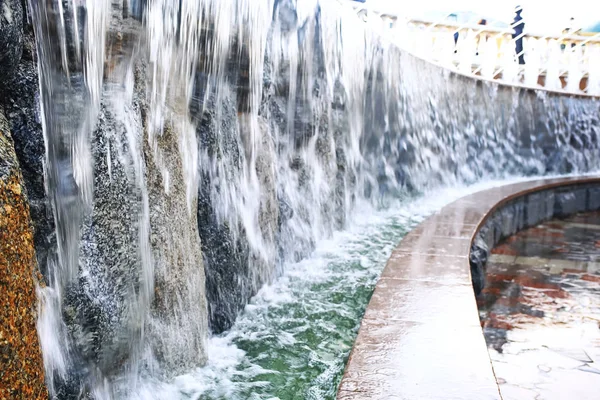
(225, 139)
(128, 281)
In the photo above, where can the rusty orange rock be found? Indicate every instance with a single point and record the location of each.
(21, 364)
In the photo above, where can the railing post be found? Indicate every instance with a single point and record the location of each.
(489, 54)
(593, 85)
(466, 49)
(574, 69)
(553, 66)
(532, 67)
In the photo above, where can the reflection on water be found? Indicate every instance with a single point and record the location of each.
(541, 310)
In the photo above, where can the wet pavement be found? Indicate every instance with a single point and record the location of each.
(540, 311)
(421, 337)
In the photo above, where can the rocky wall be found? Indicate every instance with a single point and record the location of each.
(21, 199)
(21, 363)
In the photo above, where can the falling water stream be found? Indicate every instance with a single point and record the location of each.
(201, 154)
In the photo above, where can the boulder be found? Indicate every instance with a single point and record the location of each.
(22, 368)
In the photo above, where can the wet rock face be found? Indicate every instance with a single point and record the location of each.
(234, 269)
(179, 312)
(109, 250)
(135, 229)
(19, 97)
(22, 371)
(226, 257)
(99, 332)
(22, 199)
(227, 267)
(11, 37)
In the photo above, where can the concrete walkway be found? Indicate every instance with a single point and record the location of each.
(421, 337)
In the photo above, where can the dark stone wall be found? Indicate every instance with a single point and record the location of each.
(473, 130)
(19, 98)
(11, 37)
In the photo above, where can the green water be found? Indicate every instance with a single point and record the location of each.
(296, 335)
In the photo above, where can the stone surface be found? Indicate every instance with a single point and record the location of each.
(437, 227)
(20, 102)
(235, 267)
(423, 302)
(420, 337)
(140, 253)
(21, 364)
(11, 37)
(179, 323)
(227, 255)
(428, 267)
(437, 245)
(109, 249)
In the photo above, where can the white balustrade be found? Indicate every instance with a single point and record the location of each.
(574, 69)
(569, 63)
(553, 66)
(593, 69)
(533, 63)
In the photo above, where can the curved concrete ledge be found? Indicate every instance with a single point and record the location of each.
(420, 337)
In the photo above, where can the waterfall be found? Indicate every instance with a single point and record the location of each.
(128, 280)
(194, 147)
